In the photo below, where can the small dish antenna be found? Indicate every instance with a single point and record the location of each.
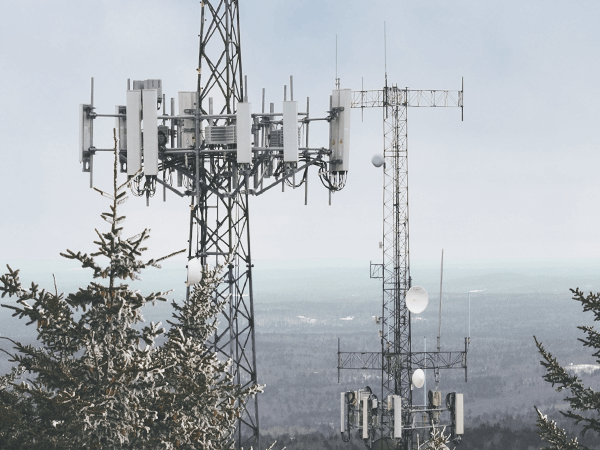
(418, 378)
(194, 272)
(417, 299)
(377, 160)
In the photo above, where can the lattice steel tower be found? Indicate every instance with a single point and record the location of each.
(218, 152)
(219, 225)
(393, 420)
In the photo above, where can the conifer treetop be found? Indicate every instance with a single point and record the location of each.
(93, 380)
(583, 401)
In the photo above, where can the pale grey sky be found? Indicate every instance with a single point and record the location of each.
(517, 179)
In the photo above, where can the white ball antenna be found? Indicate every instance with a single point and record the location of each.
(417, 299)
(194, 272)
(377, 160)
(418, 378)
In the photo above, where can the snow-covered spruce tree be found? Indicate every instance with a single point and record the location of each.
(15, 412)
(584, 402)
(436, 441)
(200, 406)
(96, 381)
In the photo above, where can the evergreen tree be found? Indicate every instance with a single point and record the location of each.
(199, 406)
(584, 402)
(436, 441)
(97, 381)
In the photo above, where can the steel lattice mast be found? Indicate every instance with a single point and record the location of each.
(396, 276)
(396, 361)
(218, 152)
(220, 55)
(219, 225)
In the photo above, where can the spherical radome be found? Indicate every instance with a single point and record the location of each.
(377, 160)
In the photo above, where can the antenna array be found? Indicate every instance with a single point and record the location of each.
(215, 150)
(394, 421)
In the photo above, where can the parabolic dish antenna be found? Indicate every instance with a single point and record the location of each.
(418, 378)
(417, 299)
(377, 160)
(194, 272)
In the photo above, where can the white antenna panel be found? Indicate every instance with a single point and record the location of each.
(397, 416)
(459, 414)
(187, 102)
(150, 116)
(290, 131)
(121, 126)
(134, 132)
(344, 412)
(417, 299)
(194, 272)
(365, 417)
(85, 128)
(340, 129)
(243, 130)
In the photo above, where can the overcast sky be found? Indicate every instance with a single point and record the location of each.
(517, 179)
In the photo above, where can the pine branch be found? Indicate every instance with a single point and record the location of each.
(555, 373)
(591, 302)
(591, 340)
(154, 263)
(104, 194)
(550, 432)
(11, 284)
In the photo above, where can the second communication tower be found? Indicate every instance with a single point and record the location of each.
(393, 420)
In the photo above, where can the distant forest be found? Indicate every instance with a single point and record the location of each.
(298, 324)
(505, 434)
(482, 437)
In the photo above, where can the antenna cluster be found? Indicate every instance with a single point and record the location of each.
(266, 148)
(218, 149)
(390, 418)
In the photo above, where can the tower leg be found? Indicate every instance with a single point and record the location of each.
(221, 230)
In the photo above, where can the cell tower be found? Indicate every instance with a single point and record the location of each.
(215, 150)
(395, 422)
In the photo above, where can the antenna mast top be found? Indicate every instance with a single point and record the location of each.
(220, 66)
(337, 80)
(385, 53)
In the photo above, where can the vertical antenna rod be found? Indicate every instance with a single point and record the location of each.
(385, 53)
(440, 318)
(337, 80)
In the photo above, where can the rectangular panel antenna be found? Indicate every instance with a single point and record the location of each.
(187, 107)
(340, 129)
(121, 127)
(365, 417)
(459, 416)
(397, 417)
(344, 412)
(85, 131)
(290, 131)
(134, 132)
(244, 133)
(150, 133)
